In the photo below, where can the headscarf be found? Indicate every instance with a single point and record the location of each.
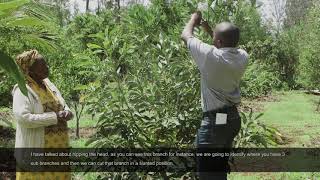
(26, 60)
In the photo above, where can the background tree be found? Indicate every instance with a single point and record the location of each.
(309, 74)
(296, 11)
(278, 13)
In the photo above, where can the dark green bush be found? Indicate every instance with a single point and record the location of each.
(310, 53)
(259, 81)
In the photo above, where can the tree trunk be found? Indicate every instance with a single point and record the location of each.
(253, 3)
(77, 121)
(118, 5)
(98, 11)
(78, 110)
(87, 6)
(117, 10)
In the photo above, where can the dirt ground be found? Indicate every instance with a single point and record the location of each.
(257, 104)
(84, 132)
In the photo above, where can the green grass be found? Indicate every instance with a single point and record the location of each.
(85, 121)
(78, 143)
(295, 116)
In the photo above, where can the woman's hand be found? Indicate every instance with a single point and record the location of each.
(68, 115)
(64, 115)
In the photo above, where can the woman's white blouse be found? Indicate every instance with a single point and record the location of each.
(30, 117)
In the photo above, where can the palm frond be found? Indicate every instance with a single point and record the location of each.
(9, 65)
(44, 12)
(7, 8)
(28, 23)
(41, 39)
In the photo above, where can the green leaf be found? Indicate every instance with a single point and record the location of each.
(258, 116)
(7, 122)
(26, 21)
(243, 117)
(7, 8)
(81, 87)
(251, 113)
(9, 65)
(90, 141)
(93, 46)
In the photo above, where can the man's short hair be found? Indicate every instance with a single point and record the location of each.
(228, 33)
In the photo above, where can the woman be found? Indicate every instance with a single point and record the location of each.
(42, 116)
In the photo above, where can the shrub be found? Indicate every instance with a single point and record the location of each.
(309, 74)
(253, 133)
(259, 81)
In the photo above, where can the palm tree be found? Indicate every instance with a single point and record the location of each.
(26, 21)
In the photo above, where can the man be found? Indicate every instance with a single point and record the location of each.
(221, 66)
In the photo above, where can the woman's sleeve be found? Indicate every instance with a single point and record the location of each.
(24, 116)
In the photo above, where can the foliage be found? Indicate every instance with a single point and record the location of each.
(259, 81)
(9, 7)
(296, 12)
(6, 128)
(104, 59)
(5, 88)
(21, 28)
(12, 69)
(139, 96)
(287, 52)
(253, 133)
(5, 117)
(250, 23)
(310, 53)
(132, 88)
(277, 61)
(27, 26)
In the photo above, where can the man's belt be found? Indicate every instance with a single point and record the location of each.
(230, 110)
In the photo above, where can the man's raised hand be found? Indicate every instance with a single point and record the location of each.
(194, 21)
(197, 18)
